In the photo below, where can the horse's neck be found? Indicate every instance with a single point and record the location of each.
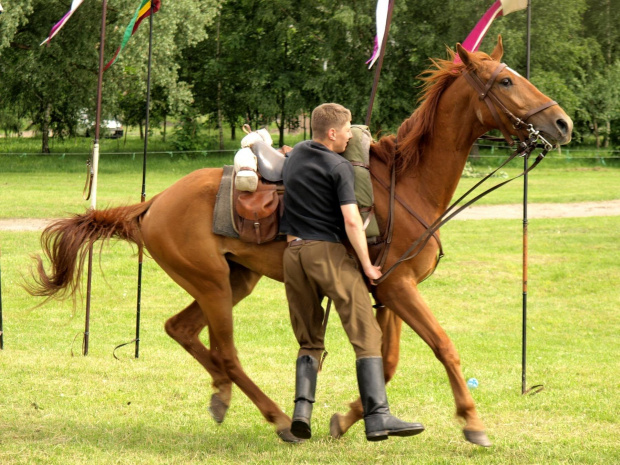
(439, 170)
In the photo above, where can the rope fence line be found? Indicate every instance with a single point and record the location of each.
(166, 152)
(566, 153)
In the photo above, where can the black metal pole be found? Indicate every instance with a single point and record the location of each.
(143, 193)
(375, 83)
(95, 168)
(525, 220)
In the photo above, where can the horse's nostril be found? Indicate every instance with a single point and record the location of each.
(562, 126)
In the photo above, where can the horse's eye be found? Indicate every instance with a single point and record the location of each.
(506, 82)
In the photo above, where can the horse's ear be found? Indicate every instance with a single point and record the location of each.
(463, 55)
(498, 51)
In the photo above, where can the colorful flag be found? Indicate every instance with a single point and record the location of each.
(499, 8)
(382, 14)
(143, 11)
(74, 6)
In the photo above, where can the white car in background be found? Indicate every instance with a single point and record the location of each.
(114, 129)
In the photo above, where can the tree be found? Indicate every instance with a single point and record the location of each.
(58, 83)
(274, 61)
(601, 100)
(601, 93)
(255, 62)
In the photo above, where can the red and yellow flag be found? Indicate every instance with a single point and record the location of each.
(143, 11)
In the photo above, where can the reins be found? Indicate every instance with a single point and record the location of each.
(524, 149)
(394, 196)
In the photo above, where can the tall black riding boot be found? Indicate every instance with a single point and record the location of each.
(379, 422)
(305, 387)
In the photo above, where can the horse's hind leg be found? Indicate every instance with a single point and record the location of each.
(391, 326)
(242, 282)
(185, 328)
(218, 310)
(215, 289)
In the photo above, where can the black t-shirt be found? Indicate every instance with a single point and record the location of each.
(317, 182)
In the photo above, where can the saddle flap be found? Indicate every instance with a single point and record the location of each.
(270, 161)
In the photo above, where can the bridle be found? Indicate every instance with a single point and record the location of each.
(493, 102)
(529, 138)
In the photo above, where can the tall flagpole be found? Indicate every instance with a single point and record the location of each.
(375, 83)
(143, 193)
(95, 169)
(525, 220)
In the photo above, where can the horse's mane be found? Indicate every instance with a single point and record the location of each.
(415, 132)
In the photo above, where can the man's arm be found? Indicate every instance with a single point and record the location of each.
(355, 232)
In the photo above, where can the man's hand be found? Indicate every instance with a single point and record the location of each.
(373, 272)
(285, 149)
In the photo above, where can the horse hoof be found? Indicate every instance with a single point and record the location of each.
(334, 426)
(477, 437)
(289, 437)
(217, 409)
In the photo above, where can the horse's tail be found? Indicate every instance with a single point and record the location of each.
(66, 243)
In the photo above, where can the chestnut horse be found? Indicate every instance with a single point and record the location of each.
(218, 272)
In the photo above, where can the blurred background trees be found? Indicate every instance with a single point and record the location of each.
(227, 63)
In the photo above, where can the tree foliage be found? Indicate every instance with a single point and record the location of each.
(250, 61)
(57, 83)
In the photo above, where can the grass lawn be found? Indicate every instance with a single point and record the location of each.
(56, 408)
(39, 186)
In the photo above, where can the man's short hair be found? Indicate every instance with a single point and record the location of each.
(327, 116)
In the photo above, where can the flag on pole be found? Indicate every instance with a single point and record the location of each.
(74, 6)
(143, 11)
(382, 13)
(499, 8)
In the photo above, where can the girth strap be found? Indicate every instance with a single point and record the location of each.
(389, 232)
(413, 213)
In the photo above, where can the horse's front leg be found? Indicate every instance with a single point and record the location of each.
(391, 326)
(403, 297)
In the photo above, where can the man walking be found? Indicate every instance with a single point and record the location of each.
(320, 212)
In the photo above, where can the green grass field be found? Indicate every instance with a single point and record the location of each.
(56, 408)
(42, 186)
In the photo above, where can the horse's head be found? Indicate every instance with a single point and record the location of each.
(509, 102)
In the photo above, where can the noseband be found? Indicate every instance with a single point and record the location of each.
(485, 93)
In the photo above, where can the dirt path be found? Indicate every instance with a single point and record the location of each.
(541, 210)
(481, 212)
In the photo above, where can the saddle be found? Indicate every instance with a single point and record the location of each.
(270, 161)
(257, 214)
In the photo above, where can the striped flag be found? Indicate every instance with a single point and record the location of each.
(499, 8)
(143, 11)
(74, 6)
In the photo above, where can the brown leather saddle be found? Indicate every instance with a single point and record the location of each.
(256, 215)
